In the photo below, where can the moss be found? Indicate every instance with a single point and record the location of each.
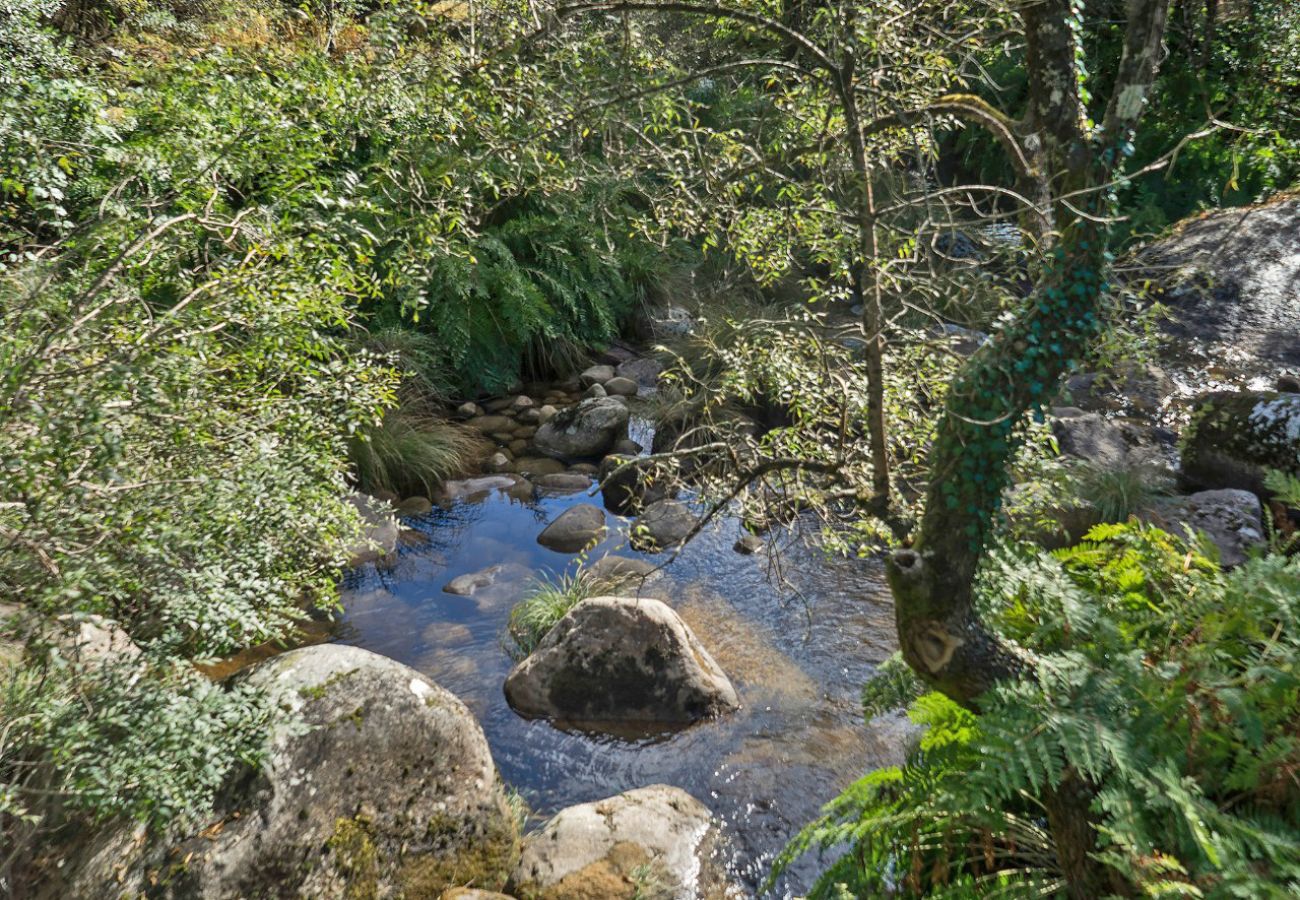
(318, 691)
(460, 855)
(355, 858)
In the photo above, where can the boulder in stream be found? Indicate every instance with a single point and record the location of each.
(389, 791)
(662, 524)
(620, 661)
(586, 430)
(652, 843)
(575, 529)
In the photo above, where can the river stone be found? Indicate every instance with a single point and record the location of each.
(615, 660)
(379, 530)
(1233, 520)
(414, 506)
(564, 483)
(610, 849)
(546, 413)
(530, 416)
(614, 571)
(574, 529)
(538, 465)
(498, 462)
(1092, 438)
(663, 524)
(596, 390)
(389, 791)
(1234, 439)
(469, 410)
(492, 424)
(644, 372)
(627, 484)
(595, 375)
(473, 489)
(627, 447)
(466, 585)
(622, 387)
(586, 430)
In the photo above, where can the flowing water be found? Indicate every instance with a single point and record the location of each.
(797, 649)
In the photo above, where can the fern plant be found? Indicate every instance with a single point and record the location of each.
(1168, 686)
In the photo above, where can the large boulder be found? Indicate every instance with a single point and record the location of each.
(1099, 441)
(586, 430)
(652, 843)
(1233, 520)
(389, 790)
(615, 660)
(1234, 439)
(575, 529)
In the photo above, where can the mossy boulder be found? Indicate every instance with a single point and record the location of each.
(1235, 438)
(620, 665)
(653, 843)
(379, 783)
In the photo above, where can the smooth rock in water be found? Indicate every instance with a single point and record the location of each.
(663, 524)
(564, 483)
(475, 488)
(628, 447)
(644, 372)
(614, 571)
(628, 484)
(596, 390)
(749, 544)
(1234, 439)
(389, 791)
(414, 506)
(595, 375)
(466, 585)
(587, 430)
(574, 529)
(538, 465)
(615, 660)
(545, 414)
(498, 462)
(611, 849)
(469, 410)
(1233, 520)
(379, 530)
(622, 387)
(492, 424)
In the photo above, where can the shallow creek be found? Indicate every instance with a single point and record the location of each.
(797, 649)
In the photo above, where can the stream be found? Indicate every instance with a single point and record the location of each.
(798, 649)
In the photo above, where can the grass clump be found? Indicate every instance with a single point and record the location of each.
(1119, 492)
(411, 453)
(547, 602)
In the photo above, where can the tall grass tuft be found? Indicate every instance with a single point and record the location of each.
(1122, 491)
(546, 603)
(412, 453)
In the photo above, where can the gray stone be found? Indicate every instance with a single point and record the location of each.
(749, 544)
(673, 321)
(662, 524)
(474, 489)
(628, 662)
(93, 640)
(587, 430)
(596, 390)
(644, 372)
(379, 530)
(595, 375)
(1233, 520)
(538, 465)
(521, 403)
(389, 790)
(615, 571)
(628, 484)
(1234, 439)
(564, 483)
(531, 416)
(492, 424)
(628, 447)
(1091, 438)
(466, 585)
(498, 462)
(469, 410)
(574, 529)
(414, 506)
(622, 387)
(611, 849)
(545, 414)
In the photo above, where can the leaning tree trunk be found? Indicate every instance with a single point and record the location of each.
(1020, 369)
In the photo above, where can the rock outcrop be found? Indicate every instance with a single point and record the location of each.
(652, 843)
(1234, 439)
(616, 660)
(390, 790)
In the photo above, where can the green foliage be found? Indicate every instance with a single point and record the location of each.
(408, 453)
(546, 603)
(1166, 685)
